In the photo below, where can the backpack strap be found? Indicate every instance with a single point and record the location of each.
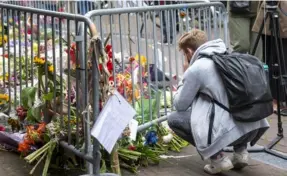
(212, 114)
(220, 105)
(216, 102)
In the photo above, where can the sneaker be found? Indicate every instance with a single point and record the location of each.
(218, 165)
(240, 160)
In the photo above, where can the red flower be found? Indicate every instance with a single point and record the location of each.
(6, 55)
(29, 31)
(61, 9)
(110, 66)
(72, 54)
(2, 128)
(108, 48)
(110, 54)
(132, 147)
(121, 90)
(100, 67)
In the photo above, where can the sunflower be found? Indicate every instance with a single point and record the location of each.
(51, 69)
(142, 61)
(4, 97)
(39, 61)
(5, 77)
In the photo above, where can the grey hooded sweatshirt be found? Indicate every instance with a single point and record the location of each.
(202, 76)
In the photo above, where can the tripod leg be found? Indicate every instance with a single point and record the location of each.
(280, 73)
(259, 35)
(277, 75)
(283, 62)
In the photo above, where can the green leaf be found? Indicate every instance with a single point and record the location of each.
(49, 96)
(46, 137)
(28, 97)
(33, 114)
(30, 117)
(36, 113)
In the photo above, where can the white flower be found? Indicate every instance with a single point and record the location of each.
(166, 139)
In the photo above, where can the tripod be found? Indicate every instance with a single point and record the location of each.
(279, 71)
(278, 74)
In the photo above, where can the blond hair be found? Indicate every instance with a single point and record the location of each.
(192, 40)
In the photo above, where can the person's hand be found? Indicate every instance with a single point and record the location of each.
(187, 55)
(185, 65)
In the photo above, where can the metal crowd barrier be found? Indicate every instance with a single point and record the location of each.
(123, 28)
(44, 49)
(163, 63)
(36, 33)
(75, 6)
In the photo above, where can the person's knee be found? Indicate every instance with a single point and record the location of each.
(170, 121)
(179, 120)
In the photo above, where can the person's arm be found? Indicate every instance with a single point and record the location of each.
(186, 91)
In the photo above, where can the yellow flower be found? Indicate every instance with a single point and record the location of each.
(143, 59)
(51, 68)
(137, 94)
(6, 77)
(120, 77)
(3, 39)
(4, 97)
(39, 61)
(127, 76)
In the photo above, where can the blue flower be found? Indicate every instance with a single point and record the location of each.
(151, 138)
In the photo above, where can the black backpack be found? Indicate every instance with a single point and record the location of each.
(246, 85)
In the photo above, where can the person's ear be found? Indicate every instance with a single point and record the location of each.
(189, 51)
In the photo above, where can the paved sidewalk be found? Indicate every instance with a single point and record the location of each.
(193, 166)
(12, 165)
(272, 133)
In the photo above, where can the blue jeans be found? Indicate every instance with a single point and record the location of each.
(84, 7)
(179, 122)
(52, 7)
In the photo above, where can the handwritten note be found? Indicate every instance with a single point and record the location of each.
(112, 121)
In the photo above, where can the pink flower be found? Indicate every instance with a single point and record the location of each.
(2, 128)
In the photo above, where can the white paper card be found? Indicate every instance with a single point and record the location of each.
(133, 126)
(113, 119)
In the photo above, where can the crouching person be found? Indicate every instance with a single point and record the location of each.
(193, 109)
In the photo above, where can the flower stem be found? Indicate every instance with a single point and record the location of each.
(30, 158)
(48, 158)
(39, 161)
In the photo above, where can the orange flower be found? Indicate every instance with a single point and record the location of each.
(132, 59)
(23, 147)
(182, 14)
(41, 128)
(29, 129)
(137, 94)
